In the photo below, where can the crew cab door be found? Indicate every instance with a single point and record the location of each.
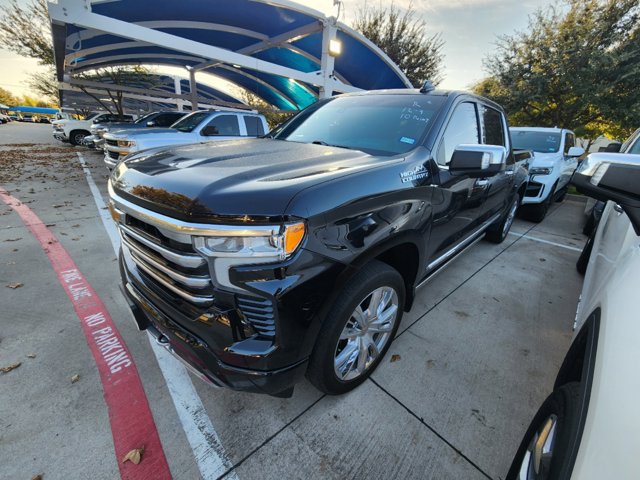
(569, 164)
(222, 127)
(493, 127)
(459, 202)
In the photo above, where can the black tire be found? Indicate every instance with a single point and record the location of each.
(76, 137)
(500, 230)
(536, 213)
(321, 371)
(561, 195)
(583, 259)
(564, 403)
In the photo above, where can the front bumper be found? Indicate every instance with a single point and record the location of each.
(59, 135)
(194, 354)
(538, 189)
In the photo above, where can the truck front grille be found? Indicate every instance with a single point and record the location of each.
(259, 313)
(113, 155)
(172, 266)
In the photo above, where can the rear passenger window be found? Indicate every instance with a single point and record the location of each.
(166, 119)
(462, 129)
(492, 126)
(225, 125)
(254, 126)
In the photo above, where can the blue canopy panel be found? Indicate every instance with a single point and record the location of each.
(26, 109)
(248, 27)
(268, 19)
(358, 63)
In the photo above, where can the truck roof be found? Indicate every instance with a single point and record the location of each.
(540, 129)
(433, 93)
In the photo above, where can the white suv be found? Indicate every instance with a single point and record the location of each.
(589, 427)
(555, 160)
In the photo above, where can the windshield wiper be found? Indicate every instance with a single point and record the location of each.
(322, 142)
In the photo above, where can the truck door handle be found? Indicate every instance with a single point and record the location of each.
(509, 172)
(482, 182)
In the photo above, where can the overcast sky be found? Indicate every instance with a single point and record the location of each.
(468, 28)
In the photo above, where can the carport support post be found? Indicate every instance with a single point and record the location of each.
(178, 90)
(327, 61)
(193, 88)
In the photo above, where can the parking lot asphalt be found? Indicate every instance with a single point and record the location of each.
(469, 367)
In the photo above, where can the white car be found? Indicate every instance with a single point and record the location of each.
(555, 160)
(200, 126)
(589, 427)
(74, 131)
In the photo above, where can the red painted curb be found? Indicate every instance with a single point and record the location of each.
(132, 424)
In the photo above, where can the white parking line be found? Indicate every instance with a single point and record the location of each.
(536, 239)
(204, 441)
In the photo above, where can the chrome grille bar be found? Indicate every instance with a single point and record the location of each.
(183, 259)
(194, 281)
(165, 282)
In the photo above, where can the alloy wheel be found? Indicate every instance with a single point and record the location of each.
(537, 458)
(366, 333)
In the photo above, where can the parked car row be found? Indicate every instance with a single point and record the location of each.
(151, 120)
(74, 131)
(24, 118)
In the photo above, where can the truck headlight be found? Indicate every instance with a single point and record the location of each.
(248, 247)
(126, 143)
(540, 170)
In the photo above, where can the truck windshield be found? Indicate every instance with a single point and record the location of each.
(191, 121)
(375, 124)
(543, 142)
(143, 119)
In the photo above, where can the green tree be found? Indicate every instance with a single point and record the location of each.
(403, 37)
(576, 66)
(7, 98)
(26, 30)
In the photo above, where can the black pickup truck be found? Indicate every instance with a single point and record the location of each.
(260, 261)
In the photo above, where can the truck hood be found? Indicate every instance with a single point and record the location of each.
(544, 160)
(119, 125)
(140, 131)
(230, 180)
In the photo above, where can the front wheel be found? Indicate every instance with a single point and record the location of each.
(543, 450)
(76, 137)
(498, 232)
(358, 329)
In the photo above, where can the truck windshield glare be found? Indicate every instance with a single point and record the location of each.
(380, 125)
(542, 142)
(188, 123)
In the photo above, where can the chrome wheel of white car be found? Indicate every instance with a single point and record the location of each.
(366, 333)
(537, 459)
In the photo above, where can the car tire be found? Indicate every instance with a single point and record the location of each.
(561, 408)
(346, 353)
(561, 195)
(499, 231)
(536, 213)
(76, 137)
(583, 259)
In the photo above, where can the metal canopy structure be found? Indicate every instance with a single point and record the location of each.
(278, 50)
(154, 93)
